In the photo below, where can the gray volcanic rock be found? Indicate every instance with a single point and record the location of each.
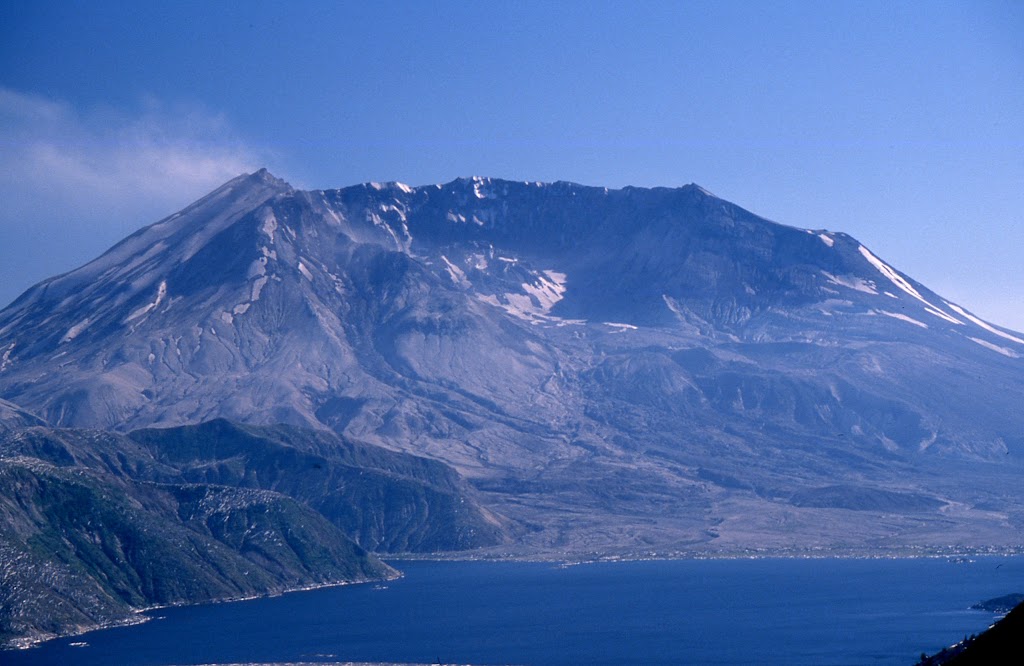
(651, 369)
(13, 417)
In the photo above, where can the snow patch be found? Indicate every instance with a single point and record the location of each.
(943, 315)
(75, 330)
(269, 225)
(332, 213)
(903, 317)
(479, 188)
(550, 290)
(925, 443)
(519, 305)
(826, 239)
(852, 282)
(161, 292)
(378, 221)
(257, 287)
(996, 348)
(985, 325)
(405, 188)
(535, 304)
(622, 327)
(902, 283)
(455, 273)
(240, 309)
(5, 360)
(305, 271)
(257, 267)
(226, 318)
(387, 208)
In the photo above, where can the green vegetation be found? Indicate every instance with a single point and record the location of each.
(95, 526)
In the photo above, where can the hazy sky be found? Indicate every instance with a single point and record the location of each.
(899, 123)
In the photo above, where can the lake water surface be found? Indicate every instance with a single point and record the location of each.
(768, 611)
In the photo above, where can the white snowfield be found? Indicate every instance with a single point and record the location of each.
(537, 299)
(852, 282)
(903, 317)
(900, 282)
(984, 325)
(996, 348)
(146, 309)
(929, 307)
(76, 330)
(457, 275)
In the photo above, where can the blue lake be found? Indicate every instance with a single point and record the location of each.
(771, 611)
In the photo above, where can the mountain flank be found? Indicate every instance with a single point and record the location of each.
(626, 371)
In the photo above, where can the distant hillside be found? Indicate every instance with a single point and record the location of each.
(13, 417)
(388, 502)
(94, 526)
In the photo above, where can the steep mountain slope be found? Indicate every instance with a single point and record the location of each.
(13, 417)
(388, 502)
(614, 369)
(82, 549)
(95, 525)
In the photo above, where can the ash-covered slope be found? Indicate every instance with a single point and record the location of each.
(13, 417)
(613, 368)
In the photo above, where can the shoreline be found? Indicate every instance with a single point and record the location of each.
(561, 559)
(138, 616)
(331, 644)
(581, 557)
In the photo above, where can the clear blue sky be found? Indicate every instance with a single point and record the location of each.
(899, 123)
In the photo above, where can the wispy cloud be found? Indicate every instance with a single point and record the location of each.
(154, 154)
(75, 180)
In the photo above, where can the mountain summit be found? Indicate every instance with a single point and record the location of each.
(612, 369)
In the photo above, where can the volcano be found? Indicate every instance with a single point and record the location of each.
(632, 370)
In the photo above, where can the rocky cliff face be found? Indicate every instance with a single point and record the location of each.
(612, 369)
